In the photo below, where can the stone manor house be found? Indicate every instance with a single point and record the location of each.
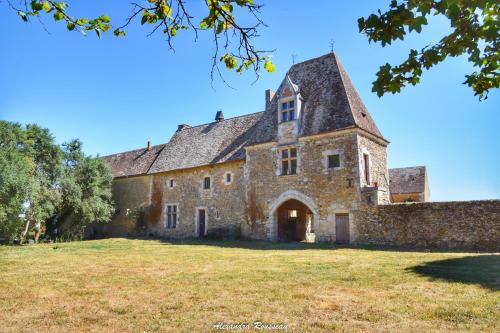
(299, 170)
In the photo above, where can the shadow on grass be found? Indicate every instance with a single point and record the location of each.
(268, 245)
(252, 244)
(483, 270)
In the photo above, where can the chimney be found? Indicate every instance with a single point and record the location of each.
(269, 97)
(182, 126)
(219, 116)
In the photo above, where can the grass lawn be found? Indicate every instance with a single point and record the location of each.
(123, 285)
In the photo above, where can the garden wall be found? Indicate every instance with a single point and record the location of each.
(463, 225)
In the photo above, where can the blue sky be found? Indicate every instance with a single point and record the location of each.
(115, 94)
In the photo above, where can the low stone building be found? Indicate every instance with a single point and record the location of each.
(409, 184)
(299, 170)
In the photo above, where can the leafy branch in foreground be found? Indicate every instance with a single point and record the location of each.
(475, 32)
(232, 39)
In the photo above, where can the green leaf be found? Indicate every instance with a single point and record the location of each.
(269, 66)
(58, 16)
(98, 32)
(46, 6)
(23, 15)
(105, 18)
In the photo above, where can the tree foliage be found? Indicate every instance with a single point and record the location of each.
(475, 32)
(41, 184)
(231, 38)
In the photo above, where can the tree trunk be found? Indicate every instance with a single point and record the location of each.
(38, 227)
(25, 232)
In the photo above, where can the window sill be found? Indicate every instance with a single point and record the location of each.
(288, 121)
(291, 175)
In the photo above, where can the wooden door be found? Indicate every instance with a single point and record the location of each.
(342, 228)
(201, 223)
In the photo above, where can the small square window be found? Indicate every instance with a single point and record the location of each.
(291, 104)
(293, 152)
(284, 153)
(228, 177)
(206, 183)
(284, 106)
(171, 183)
(333, 161)
(291, 115)
(292, 213)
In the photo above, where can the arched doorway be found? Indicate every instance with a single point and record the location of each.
(293, 197)
(294, 221)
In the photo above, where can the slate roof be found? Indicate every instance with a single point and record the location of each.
(407, 180)
(330, 103)
(212, 143)
(135, 162)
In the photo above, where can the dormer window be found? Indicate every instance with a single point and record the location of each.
(288, 111)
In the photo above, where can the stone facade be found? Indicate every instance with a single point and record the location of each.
(465, 225)
(325, 191)
(312, 166)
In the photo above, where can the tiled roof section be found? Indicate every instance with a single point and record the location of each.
(212, 143)
(331, 101)
(407, 180)
(135, 162)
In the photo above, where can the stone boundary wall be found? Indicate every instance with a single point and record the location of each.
(459, 225)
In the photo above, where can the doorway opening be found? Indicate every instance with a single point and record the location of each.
(294, 222)
(201, 219)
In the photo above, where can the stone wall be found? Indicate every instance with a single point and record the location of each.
(467, 225)
(130, 195)
(379, 176)
(325, 191)
(223, 202)
(141, 203)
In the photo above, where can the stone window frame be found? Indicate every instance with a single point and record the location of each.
(289, 159)
(363, 174)
(171, 183)
(330, 152)
(177, 215)
(203, 183)
(287, 110)
(225, 178)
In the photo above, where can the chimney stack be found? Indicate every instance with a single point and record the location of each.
(219, 116)
(182, 126)
(149, 145)
(269, 97)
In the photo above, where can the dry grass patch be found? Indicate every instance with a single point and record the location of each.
(122, 285)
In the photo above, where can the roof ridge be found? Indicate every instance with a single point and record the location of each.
(346, 81)
(133, 150)
(330, 54)
(154, 160)
(342, 79)
(232, 118)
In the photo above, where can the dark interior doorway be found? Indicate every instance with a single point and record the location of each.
(294, 221)
(202, 225)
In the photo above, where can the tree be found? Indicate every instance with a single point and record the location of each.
(475, 32)
(41, 184)
(86, 185)
(170, 17)
(15, 182)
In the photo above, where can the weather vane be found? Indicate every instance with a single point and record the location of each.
(332, 45)
(293, 58)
